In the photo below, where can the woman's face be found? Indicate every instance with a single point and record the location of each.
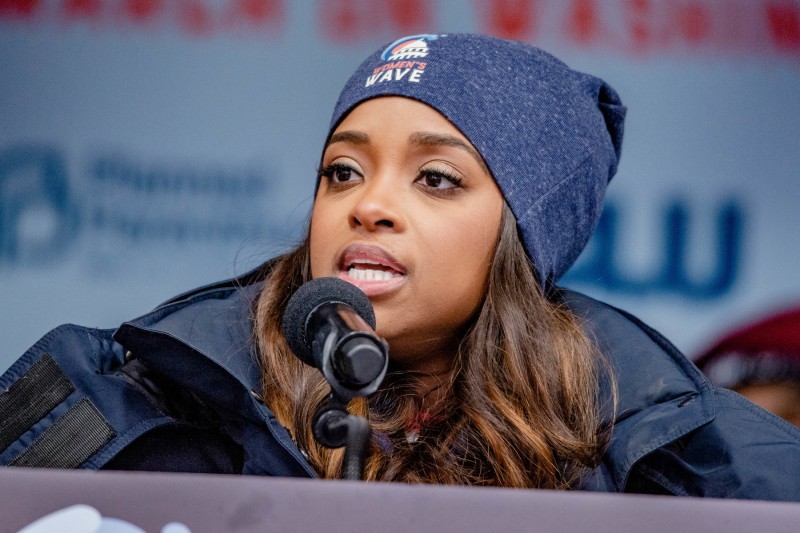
(407, 211)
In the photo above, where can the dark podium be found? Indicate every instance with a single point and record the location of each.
(213, 503)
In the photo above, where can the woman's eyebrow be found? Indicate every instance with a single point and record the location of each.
(419, 138)
(354, 137)
(443, 139)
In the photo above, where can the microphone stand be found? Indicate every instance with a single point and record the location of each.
(334, 427)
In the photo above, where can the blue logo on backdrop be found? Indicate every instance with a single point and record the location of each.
(38, 218)
(120, 199)
(599, 265)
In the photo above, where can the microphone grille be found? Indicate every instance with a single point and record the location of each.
(310, 296)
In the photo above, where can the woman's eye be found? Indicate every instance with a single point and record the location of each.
(436, 179)
(338, 173)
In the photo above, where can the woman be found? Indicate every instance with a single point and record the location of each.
(461, 177)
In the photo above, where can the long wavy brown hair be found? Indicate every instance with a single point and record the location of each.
(520, 406)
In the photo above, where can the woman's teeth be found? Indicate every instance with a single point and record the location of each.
(368, 274)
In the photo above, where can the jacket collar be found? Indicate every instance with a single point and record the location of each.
(661, 395)
(204, 342)
(216, 323)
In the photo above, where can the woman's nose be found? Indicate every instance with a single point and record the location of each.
(378, 205)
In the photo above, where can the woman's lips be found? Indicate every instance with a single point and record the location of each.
(371, 268)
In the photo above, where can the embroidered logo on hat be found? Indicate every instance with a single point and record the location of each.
(411, 47)
(403, 60)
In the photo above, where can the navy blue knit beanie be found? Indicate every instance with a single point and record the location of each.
(551, 136)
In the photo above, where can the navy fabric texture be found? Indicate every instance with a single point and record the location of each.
(551, 136)
(179, 386)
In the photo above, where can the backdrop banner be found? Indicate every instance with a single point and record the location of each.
(150, 146)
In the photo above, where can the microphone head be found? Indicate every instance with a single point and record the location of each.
(310, 296)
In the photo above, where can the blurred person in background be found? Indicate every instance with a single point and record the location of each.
(760, 361)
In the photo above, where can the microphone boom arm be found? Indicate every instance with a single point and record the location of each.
(334, 427)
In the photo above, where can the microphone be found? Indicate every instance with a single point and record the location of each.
(329, 324)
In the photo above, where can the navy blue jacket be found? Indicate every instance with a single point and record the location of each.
(178, 390)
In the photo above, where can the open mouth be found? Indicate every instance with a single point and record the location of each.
(370, 270)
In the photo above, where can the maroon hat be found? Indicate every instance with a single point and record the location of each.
(764, 351)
